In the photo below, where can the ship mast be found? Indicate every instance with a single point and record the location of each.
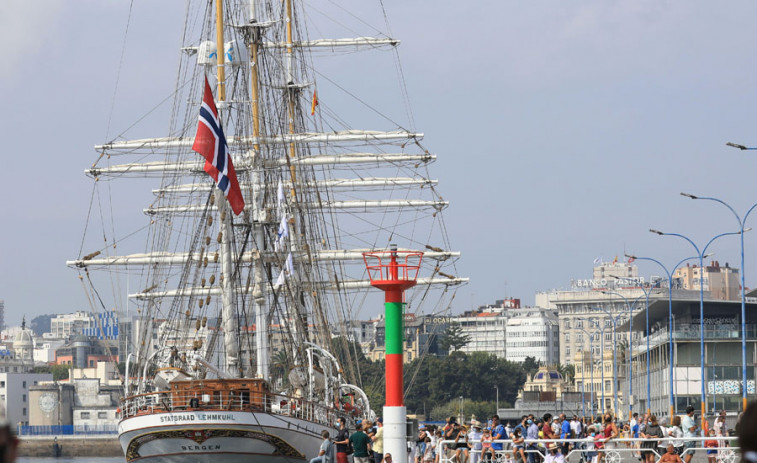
(228, 313)
(299, 325)
(258, 215)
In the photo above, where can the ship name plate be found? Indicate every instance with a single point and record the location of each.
(185, 417)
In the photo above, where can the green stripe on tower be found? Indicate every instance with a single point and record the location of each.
(394, 327)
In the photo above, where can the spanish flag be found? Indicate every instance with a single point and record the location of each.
(615, 261)
(314, 104)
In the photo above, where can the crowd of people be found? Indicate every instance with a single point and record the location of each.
(589, 439)
(546, 439)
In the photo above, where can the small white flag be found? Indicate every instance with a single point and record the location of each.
(598, 260)
(280, 280)
(288, 270)
(282, 233)
(290, 264)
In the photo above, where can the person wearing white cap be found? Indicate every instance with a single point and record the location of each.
(474, 438)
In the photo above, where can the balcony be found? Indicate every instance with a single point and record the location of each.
(690, 332)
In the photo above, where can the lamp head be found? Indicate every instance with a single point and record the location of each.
(736, 145)
(652, 230)
(689, 195)
(630, 256)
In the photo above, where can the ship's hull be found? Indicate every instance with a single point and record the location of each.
(219, 437)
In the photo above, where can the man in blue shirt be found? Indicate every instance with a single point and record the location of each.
(532, 434)
(565, 432)
(498, 433)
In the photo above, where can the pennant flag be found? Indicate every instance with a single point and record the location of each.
(280, 280)
(615, 261)
(287, 270)
(598, 260)
(290, 264)
(282, 233)
(314, 104)
(210, 142)
(631, 259)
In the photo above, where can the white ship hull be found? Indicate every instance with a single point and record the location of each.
(219, 437)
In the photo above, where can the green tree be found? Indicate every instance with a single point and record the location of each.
(530, 365)
(454, 339)
(60, 372)
(568, 372)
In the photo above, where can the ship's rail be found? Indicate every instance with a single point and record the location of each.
(251, 401)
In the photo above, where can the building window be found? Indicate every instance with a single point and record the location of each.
(102, 415)
(23, 384)
(2, 384)
(23, 398)
(24, 412)
(84, 415)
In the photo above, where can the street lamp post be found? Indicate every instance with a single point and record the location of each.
(629, 306)
(497, 388)
(602, 355)
(670, 318)
(646, 292)
(742, 222)
(583, 367)
(700, 255)
(462, 410)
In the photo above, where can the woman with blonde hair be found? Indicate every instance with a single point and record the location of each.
(676, 435)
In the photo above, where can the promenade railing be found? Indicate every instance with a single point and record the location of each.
(613, 451)
(67, 430)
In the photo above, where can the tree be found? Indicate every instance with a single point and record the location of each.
(60, 371)
(530, 365)
(568, 372)
(454, 339)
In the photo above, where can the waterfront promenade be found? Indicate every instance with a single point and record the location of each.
(104, 446)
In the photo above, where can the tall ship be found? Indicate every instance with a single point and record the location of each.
(241, 284)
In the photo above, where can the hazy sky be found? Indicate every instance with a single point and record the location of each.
(564, 130)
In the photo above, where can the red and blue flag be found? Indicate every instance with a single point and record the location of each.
(210, 142)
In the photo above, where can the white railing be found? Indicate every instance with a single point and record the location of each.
(615, 451)
(169, 402)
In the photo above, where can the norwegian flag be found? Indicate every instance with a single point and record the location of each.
(211, 144)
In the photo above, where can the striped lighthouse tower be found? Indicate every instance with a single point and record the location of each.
(393, 272)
